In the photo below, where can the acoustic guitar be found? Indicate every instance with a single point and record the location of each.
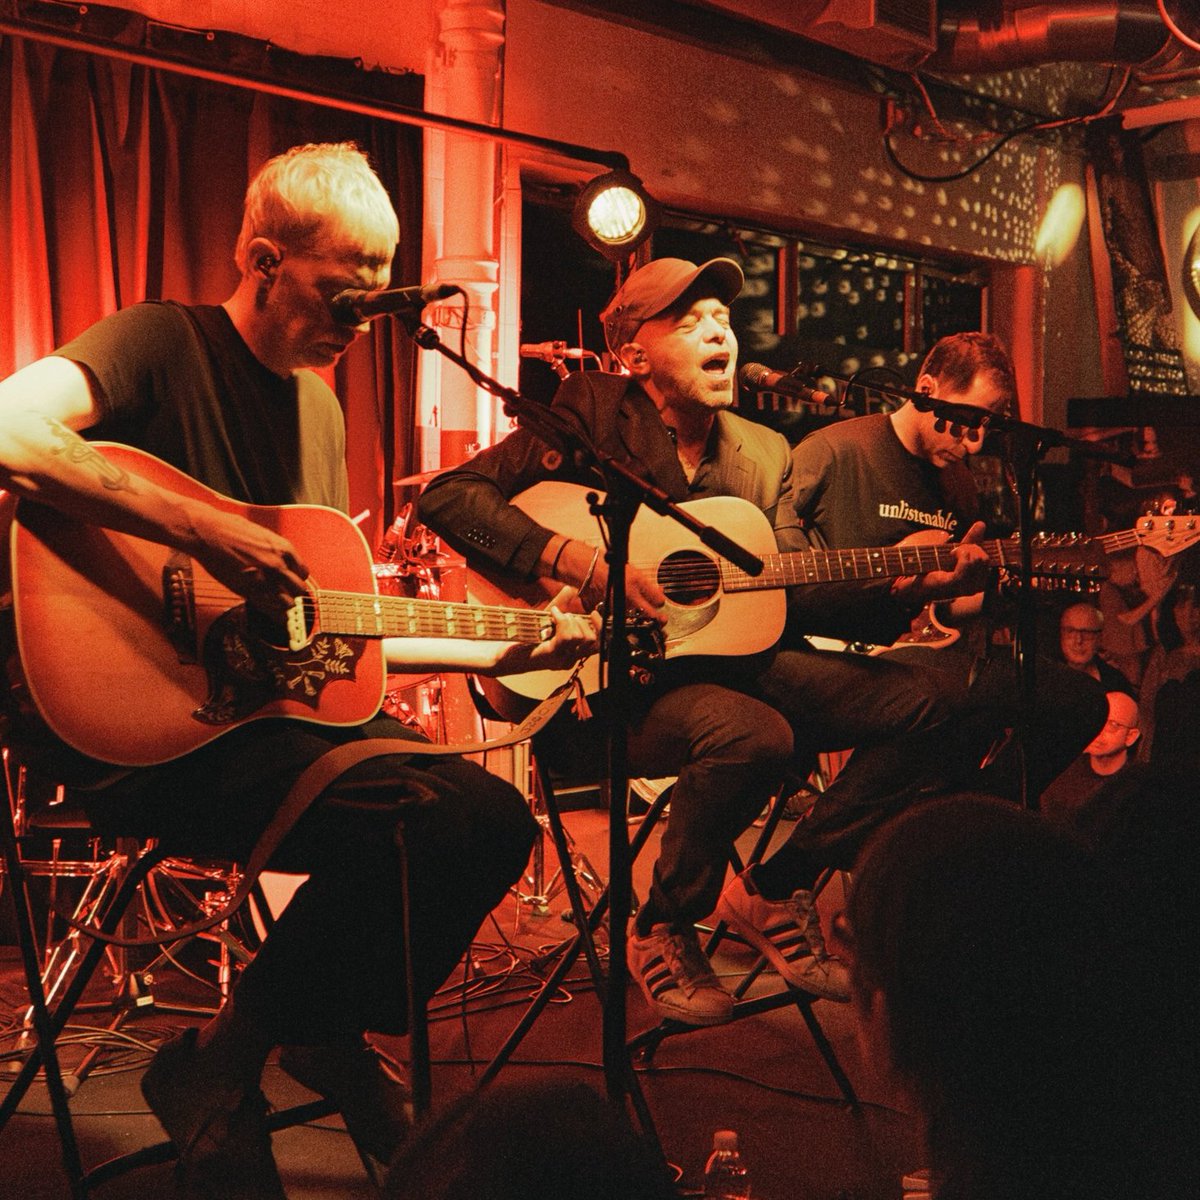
(715, 608)
(133, 654)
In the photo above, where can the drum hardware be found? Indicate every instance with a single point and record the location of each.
(172, 893)
(421, 477)
(416, 702)
(409, 564)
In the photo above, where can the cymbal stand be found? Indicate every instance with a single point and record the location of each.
(535, 893)
(163, 893)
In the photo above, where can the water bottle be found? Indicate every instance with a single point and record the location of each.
(726, 1176)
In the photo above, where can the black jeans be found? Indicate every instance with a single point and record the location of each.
(333, 965)
(732, 742)
(958, 708)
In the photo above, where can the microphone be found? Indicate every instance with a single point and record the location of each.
(389, 544)
(550, 351)
(354, 305)
(758, 378)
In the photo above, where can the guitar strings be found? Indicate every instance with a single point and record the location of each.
(698, 567)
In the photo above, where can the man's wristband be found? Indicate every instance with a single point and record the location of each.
(557, 555)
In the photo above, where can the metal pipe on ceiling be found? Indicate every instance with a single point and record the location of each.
(1128, 33)
(74, 40)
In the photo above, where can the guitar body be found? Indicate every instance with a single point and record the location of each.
(702, 617)
(134, 655)
(716, 609)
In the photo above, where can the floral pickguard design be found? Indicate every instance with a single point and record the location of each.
(246, 671)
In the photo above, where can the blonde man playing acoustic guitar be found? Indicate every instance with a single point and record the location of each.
(227, 395)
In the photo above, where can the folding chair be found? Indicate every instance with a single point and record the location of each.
(644, 1045)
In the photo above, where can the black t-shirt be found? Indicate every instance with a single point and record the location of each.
(857, 486)
(180, 383)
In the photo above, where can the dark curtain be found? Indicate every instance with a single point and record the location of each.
(121, 183)
(1139, 272)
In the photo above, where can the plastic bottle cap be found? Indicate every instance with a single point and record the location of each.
(725, 1139)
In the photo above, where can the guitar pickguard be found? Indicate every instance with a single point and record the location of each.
(246, 672)
(682, 623)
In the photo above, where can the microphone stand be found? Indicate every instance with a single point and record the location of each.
(1025, 446)
(626, 490)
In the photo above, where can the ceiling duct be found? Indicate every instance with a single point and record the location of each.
(892, 33)
(1027, 35)
(964, 37)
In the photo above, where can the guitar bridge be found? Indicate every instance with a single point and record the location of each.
(179, 607)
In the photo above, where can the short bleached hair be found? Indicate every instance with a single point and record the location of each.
(320, 191)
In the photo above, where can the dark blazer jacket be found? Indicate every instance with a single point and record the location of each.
(468, 506)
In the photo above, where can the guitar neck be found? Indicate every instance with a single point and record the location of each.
(838, 566)
(358, 615)
(1124, 539)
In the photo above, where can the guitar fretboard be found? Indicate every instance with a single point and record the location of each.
(358, 615)
(837, 566)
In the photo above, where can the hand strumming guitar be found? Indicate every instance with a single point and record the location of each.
(584, 567)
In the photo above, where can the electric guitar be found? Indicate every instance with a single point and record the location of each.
(131, 653)
(715, 608)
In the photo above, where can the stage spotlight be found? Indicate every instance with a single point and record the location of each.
(1191, 273)
(615, 214)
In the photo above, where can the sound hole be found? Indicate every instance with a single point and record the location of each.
(689, 577)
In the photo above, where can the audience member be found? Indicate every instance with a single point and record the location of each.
(1176, 655)
(1069, 801)
(1149, 842)
(1079, 630)
(1128, 599)
(559, 1141)
(979, 941)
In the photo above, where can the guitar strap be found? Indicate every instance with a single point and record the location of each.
(311, 783)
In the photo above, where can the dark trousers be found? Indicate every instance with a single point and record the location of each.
(731, 743)
(333, 965)
(729, 751)
(972, 703)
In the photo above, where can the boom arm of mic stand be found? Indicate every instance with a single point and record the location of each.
(571, 440)
(971, 416)
(539, 419)
(661, 503)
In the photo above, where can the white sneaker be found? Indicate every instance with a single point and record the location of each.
(676, 977)
(789, 934)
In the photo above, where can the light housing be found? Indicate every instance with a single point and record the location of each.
(615, 214)
(1191, 272)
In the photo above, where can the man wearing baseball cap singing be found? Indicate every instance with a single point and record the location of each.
(701, 719)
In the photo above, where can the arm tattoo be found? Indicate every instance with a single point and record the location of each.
(75, 450)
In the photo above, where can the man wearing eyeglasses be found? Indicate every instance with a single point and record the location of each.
(1086, 797)
(1079, 631)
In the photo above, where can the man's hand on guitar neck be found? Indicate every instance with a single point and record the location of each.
(969, 576)
(583, 567)
(576, 636)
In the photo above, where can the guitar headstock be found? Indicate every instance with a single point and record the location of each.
(1065, 562)
(1168, 535)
